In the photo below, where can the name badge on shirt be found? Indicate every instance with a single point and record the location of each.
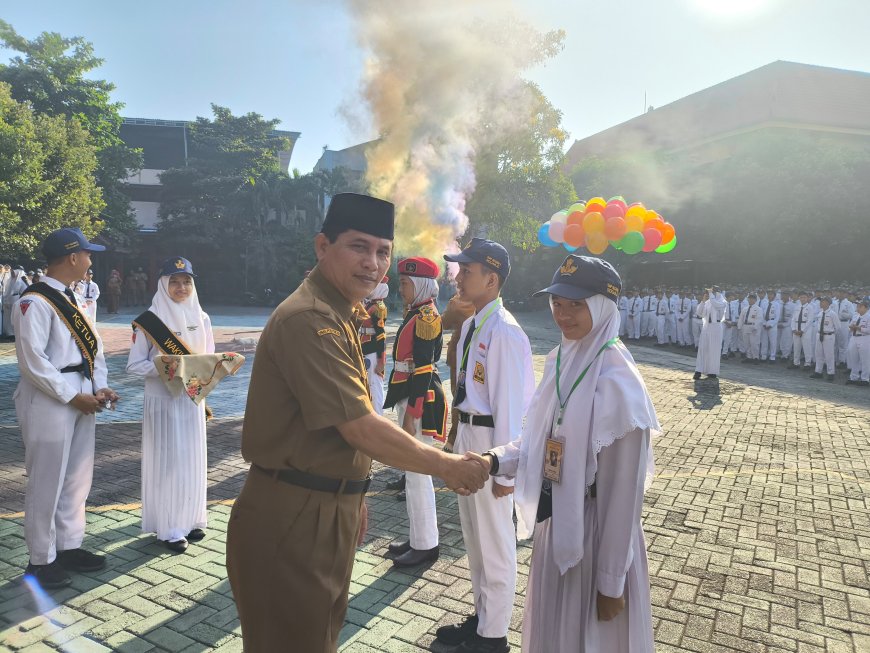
(553, 459)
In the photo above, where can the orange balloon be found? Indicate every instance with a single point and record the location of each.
(595, 207)
(575, 218)
(656, 223)
(574, 235)
(651, 215)
(593, 223)
(637, 210)
(596, 243)
(668, 233)
(634, 223)
(615, 228)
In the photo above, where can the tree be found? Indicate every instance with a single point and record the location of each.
(46, 177)
(50, 74)
(520, 184)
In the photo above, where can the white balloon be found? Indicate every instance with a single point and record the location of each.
(559, 217)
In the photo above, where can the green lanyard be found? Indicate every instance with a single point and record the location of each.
(564, 403)
(477, 330)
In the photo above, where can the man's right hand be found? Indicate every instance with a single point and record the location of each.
(465, 474)
(85, 403)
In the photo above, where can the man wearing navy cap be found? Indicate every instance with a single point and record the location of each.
(63, 384)
(494, 386)
(310, 434)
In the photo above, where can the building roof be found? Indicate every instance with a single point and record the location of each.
(780, 94)
(352, 158)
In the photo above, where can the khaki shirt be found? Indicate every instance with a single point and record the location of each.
(308, 377)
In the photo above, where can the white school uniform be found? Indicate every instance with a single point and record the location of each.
(663, 310)
(845, 311)
(786, 341)
(803, 317)
(499, 381)
(58, 439)
(826, 340)
(750, 330)
(697, 321)
(90, 293)
(635, 317)
(623, 315)
(859, 349)
(770, 329)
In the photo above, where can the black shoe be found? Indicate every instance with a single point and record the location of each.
(478, 644)
(807, 368)
(455, 634)
(772, 360)
(746, 360)
(757, 361)
(830, 377)
(178, 546)
(414, 557)
(401, 496)
(851, 382)
(50, 576)
(697, 376)
(792, 366)
(712, 376)
(864, 383)
(81, 560)
(815, 375)
(398, 484)
(195, 535)
(398, 548)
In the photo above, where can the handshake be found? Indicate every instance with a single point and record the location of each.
(465, 474)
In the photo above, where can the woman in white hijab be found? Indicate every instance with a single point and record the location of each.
(581, 467)
(173, 427)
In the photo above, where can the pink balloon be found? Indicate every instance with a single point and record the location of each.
(620, 203)
(614, 211)
(557, 232)
(652, 238)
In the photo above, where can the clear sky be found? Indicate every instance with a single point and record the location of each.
(296, 60)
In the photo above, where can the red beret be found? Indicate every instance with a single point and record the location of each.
(419, 267)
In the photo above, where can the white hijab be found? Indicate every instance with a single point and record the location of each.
(185, 319)
(426, 289)
(610, 402)
(380, 292)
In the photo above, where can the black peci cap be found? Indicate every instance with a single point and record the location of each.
(486, 252)
(361, 213)
(580, 277)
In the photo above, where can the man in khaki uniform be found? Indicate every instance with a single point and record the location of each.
(310, 433)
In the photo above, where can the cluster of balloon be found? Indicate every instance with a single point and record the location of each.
(599, 224)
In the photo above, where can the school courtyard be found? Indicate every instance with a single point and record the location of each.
(757, 524)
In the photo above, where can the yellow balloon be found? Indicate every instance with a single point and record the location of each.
(596, 243)
(651, 215)
(597, 200)
(634, 222)
(593, 223)
(637, 210)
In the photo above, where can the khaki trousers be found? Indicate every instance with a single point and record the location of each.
(290, 554)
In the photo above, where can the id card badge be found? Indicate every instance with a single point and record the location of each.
(553, 457)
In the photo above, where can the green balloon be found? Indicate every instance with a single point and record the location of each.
(632, 242)
(664, 249)
(616, 244)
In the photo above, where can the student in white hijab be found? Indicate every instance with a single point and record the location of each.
(13, 287)
(174, 460)
(582, 465)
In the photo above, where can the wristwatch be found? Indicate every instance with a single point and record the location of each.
(493, 465)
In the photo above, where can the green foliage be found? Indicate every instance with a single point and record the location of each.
(50, 73)
(46, 177)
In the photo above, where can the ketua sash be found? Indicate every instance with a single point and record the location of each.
(74, 320)
(164, 339)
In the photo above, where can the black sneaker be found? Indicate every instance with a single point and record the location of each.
(457, 633)
(816, 375)
(81, 560)
(177, 546)
(697, 376)
(478, 644)
(398, 484)
(195, 535)
(50, 576)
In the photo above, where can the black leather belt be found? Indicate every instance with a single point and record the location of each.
(476, 420)
(316, 482)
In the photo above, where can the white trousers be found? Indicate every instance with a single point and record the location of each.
(825, 354)
(803, 345)
(376, 384)
(647, 322)
(727, 339)
(420, 495)
(491, 543)
(671, 327)
(8, 329)
(59, 460)
(623, 322)
(768, 343)
(785, 341)
(843, 337)
(662, 329)
(751, 342)
(859, 358)
(696, 330)
(634, 327)
(90, 311)
(684, 331)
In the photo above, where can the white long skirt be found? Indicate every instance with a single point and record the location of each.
(561, 611)
(174, 465)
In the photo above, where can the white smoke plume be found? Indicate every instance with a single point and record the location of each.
(441, 79)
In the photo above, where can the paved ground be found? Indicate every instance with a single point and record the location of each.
(758, 524)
